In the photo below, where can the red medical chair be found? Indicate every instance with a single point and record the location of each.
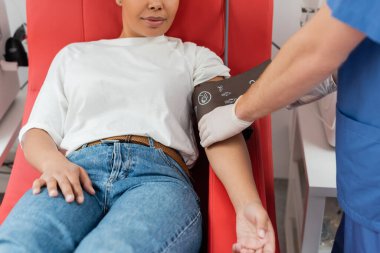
(238, 31)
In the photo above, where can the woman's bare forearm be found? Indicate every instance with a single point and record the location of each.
(230, 162)
(39, 149)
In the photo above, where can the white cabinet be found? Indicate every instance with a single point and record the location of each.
(312, 182)
(10, 123)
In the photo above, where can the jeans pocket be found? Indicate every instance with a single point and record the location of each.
(75, 152)
(174, 165)
(171, 162)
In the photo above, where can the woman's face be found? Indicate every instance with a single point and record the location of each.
(147, 18)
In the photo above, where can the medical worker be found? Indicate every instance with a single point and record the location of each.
(344, 34)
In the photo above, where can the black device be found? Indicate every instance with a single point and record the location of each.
(209, 95)
(14, 50)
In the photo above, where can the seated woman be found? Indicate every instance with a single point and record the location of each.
(113, 117)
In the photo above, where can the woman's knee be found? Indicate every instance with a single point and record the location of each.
(40, 222)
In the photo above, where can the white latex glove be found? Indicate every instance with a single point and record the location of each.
(220, 124)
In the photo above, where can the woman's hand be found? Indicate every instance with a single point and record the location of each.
(68, 176)
(254, 230)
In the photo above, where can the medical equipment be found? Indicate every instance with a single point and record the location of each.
(14, 48)
(209, 95)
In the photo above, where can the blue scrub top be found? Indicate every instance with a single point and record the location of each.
(358, 115)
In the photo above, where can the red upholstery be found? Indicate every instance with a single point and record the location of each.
(250, 40)
(51, 26)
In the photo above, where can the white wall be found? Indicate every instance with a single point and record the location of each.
(286, 21)
(16, 10)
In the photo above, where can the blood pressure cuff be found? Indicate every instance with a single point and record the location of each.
(209, 95)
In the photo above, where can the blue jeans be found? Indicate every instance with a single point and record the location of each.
(144, 202)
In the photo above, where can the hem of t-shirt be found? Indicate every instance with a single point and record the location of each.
(44, 127)
(222, 71)
(346, 16)
(370, 224)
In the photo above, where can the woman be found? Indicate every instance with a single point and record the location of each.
(120, 110)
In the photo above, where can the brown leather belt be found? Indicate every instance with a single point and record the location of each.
(142, 140)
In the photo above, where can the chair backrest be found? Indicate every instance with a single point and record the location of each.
(249, 43)
(54, 24)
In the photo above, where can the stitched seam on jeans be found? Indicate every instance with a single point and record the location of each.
(182, 232)
(127, 168)
(165, 158)
(98, 201)
(172, 164)
(110, 180)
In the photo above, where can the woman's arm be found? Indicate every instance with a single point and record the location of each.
(230, 162)
(40, 149)
(232, 165)
(40, 146)
(42, 153)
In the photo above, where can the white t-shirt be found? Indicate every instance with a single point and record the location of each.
(139, 86)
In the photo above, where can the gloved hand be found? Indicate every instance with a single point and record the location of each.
(220, 124)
